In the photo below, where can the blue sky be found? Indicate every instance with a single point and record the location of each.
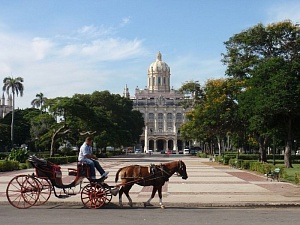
(65, 47)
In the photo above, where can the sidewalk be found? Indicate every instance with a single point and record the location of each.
(209, 185)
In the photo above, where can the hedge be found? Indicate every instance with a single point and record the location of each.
(7, 165)
(297, 178)
(62, 159)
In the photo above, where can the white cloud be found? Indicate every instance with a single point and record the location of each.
(125, 21)
(287, 10)
(64, 64)
(41, 46)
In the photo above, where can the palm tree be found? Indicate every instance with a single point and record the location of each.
(16, 87)
(39, 101)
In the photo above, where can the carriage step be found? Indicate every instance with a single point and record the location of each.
(73, 173)
(63, 196)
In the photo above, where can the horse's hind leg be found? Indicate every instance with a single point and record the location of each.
(159, 189)
(126, 191)
(152, 196)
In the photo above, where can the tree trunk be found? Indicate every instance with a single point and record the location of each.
(219, 144)
(55, 133)
(262, 149)
(288, 146)
(12, 121)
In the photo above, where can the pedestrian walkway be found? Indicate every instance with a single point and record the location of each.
(209, 184)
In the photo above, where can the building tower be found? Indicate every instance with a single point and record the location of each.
(126, 92)
(159, 75)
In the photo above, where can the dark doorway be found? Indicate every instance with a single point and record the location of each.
(179, 145)
(170, 145)
(160, 145)
(151, 145)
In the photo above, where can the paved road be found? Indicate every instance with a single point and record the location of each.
(209, 185)
(63, 215)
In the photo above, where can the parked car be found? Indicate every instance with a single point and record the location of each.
(149, 151)
(137, 151)
(193, 151)
(169, 151)
(180, 151)
(186, 151)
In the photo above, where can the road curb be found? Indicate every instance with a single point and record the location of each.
(114, 205)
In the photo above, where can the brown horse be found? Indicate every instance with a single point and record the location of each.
(155, 175)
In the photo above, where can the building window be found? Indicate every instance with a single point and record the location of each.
(178, 117)
(160, 116)
(151, 116)
(164, 81)
(160, 125)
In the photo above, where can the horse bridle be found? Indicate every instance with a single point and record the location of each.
(180, 165)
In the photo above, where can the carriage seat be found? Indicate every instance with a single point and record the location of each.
(83, 169)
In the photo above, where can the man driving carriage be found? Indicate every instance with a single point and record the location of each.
(86, 155)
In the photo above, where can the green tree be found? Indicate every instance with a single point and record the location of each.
(22, 126)
(267, 58)
(15, 85)
(193, 93)
(39, 101)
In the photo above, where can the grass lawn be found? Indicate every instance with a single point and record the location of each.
(289, 173)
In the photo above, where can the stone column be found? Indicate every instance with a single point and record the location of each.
(155, 122)
(165, 122)
(155, 145)
(146, 148)
(175, 144)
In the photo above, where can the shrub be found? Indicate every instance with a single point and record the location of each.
(7, 165)
(227, 157)
(249, 156)
(58, 160)
(297, 178)
(202, 155)
(23, 166)
(72, 159)
(18, 154)
(3, 155)
(219, 159)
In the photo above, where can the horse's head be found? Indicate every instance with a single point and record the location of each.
(182, 169)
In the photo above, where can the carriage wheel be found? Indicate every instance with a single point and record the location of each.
(108, 195)
(93, 196)
(22, 191)
(45, 191)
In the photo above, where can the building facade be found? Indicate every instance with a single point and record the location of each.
(5, 107)
(161, 108)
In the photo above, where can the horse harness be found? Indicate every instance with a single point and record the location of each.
(154, 170)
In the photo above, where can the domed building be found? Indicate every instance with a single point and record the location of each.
(161, 109)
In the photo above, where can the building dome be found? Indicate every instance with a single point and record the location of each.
(159, 65)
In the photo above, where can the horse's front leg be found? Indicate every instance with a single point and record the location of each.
(120, 196)
(152, 196)
(159, 189)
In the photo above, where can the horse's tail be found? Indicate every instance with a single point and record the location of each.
(117, 175)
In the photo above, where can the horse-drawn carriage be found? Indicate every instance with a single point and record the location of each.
(24, 191)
